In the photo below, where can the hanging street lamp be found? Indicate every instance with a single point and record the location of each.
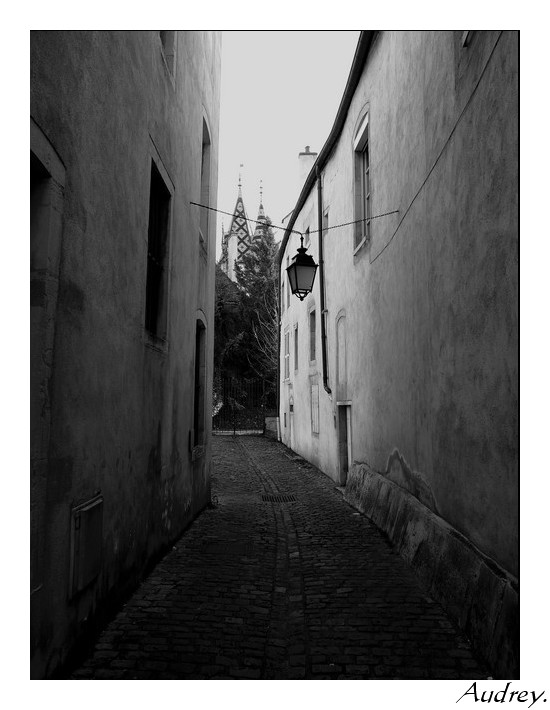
(301, 272)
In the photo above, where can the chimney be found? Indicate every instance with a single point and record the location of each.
(305, 162)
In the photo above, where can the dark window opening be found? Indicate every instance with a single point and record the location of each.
(38, 172)
(466, 37)
(200, 384)
(205, 184)
(312, 327)
(159, 210)
(40, 208)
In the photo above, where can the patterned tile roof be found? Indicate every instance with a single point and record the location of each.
(239, 226)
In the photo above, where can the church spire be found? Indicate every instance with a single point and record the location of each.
(239, 224)
(261, 220)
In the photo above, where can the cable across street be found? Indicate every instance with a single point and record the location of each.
(295, 231)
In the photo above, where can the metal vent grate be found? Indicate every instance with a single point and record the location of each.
(279, 497)
(229, 549)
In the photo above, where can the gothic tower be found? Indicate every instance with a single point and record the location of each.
(238, 238)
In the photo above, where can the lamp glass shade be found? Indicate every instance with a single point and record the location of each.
(301, 274)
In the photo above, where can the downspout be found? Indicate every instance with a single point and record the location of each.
(322, 281)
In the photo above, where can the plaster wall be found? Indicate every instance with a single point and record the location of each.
(122, 401)
(321, 448)
(431, 299)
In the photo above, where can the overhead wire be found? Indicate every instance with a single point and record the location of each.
(436, 161)
(384, 214)
(294, 231)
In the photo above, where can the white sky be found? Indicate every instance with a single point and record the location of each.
(280, 92)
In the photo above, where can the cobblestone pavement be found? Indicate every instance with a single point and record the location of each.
(287, 589)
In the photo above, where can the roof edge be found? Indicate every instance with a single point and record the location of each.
(363, 47)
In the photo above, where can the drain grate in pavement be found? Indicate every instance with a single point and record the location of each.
(278, 497)
(228, 547)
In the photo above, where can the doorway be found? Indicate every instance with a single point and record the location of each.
(344, 442)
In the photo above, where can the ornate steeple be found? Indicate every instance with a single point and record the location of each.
(239, 223)
(261, 223)
(238, 238)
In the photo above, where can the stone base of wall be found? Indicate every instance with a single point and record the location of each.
(480, 596)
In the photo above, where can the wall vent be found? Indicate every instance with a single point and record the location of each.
(86, 543)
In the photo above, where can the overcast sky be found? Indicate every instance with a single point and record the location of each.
(280, 92)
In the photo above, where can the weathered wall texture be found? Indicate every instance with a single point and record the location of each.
(118, 404)
(430, 302)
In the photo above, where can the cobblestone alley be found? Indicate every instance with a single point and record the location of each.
(280, 579)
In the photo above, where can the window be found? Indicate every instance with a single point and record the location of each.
(295, 347)
(287, 284)
(312, 335)
(168, 41)
(324, 314)
(200, 384)
(41, 189)
(315, 408)
(159, 210)
(341, 362)
(362, 184)
(205, 184)
(287, 356)
(466, 37)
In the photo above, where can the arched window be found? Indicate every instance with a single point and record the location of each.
(205, 184)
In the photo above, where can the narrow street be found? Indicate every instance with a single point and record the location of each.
(280, 579)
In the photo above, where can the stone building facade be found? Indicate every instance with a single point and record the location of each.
(124, 134)
(399, 372)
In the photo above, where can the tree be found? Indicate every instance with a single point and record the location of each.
(246, 321)
(256, 275)
(228, 325)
